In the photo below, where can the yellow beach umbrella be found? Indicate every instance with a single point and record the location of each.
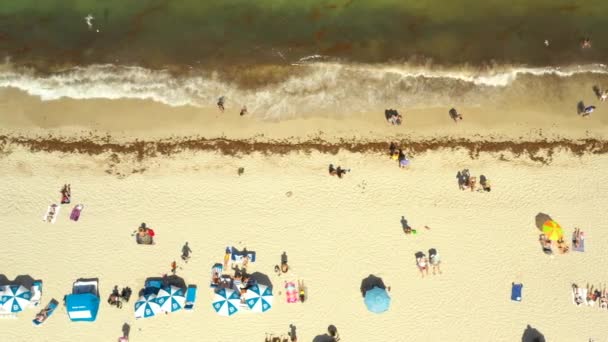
(552, 230)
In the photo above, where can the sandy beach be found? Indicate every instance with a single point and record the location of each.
(335, 231)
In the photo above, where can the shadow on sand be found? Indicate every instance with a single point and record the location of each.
(532, 335)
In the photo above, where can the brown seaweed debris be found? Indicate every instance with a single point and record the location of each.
(536, 150)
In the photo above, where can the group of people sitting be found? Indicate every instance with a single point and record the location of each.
(590, 295)
(337, 171)
(466, 181)
(116, 297)
(547, 245)
(397, 154)
(423, 263)
(393, 117)
(144, 235)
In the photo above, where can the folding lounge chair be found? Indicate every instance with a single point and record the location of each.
(190, 297)
(516, 290)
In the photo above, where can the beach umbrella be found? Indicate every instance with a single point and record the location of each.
(552, 230)
(377, 300)
(15, 298)
(259, 298)
(226, 302)
(171, 299)
(146, 306)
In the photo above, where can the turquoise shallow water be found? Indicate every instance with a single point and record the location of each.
(188, 32)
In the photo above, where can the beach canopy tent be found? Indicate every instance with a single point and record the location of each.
(259, 298)
(226, 302)
(14, 298)
(83, 303)
(377, 300)
(146, 306)
(552, 230)
(171, 299)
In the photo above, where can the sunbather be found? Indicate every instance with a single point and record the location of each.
(340, 171)
(284, 265)
(43, 315)
(52, 213)
(578, 299)
(577, 237)
(562, 246)
(332, 170)
(301, 291)
(545, 244)
(422, 264)
(66, 194)
(435, 260)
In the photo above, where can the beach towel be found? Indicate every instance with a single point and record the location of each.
(237, 256)
(516, 290)
(291, 292)
(581, 245)
(75, 215)
(50, 308)
(48, 217)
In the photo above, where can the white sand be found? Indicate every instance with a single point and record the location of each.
(335, 232)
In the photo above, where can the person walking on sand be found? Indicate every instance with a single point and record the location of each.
(243, 111)
(173, 267)
(186, 252)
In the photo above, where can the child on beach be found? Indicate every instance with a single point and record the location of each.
(173, 267)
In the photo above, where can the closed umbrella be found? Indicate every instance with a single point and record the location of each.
(552, 230)
(15, 298)
(377, 300)
(259, 298)
(226, 302)
(146, 306)
(171, 299)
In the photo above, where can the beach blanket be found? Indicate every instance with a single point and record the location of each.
(237, 256)
(75, 215)
(291, 292)
(581, 245)
(516, 290)
(51, 213)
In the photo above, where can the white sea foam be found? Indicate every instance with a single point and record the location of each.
(338, 87)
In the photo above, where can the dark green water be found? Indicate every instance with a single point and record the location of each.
(157, 33)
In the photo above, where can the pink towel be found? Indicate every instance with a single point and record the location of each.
(75, 215)
(291, 292)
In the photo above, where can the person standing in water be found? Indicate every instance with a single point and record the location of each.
(220, 103)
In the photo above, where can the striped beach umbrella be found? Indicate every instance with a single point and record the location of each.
(15, 298)
(226, 302)
(171, 299)
(552, 230)
(259, 298)
(146, 306)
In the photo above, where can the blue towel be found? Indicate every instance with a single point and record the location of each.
(516, 292)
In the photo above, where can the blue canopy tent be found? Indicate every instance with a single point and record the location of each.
(83, 303)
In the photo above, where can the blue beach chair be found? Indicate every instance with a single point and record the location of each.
(190, 297)
(516, 291)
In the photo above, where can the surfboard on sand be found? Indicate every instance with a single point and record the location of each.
(51, 213)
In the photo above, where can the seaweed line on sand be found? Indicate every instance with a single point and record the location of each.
(536, 150)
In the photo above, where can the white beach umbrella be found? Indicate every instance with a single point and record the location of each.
(226, 302)
(146, 306)
(15, 298)
(259, 298)
(171, 299)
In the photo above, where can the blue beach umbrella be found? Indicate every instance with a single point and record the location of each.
(15, 298)
(146, 306)
(377, 300)
(259, 298)
(226, 302)
(171, 299)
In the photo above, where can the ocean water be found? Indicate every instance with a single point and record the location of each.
(286, 58)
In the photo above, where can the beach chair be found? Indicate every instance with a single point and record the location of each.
(190, 297)
(36, 293)
(50, 308)
(291, 292)
(516, 290)
(581, 245)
